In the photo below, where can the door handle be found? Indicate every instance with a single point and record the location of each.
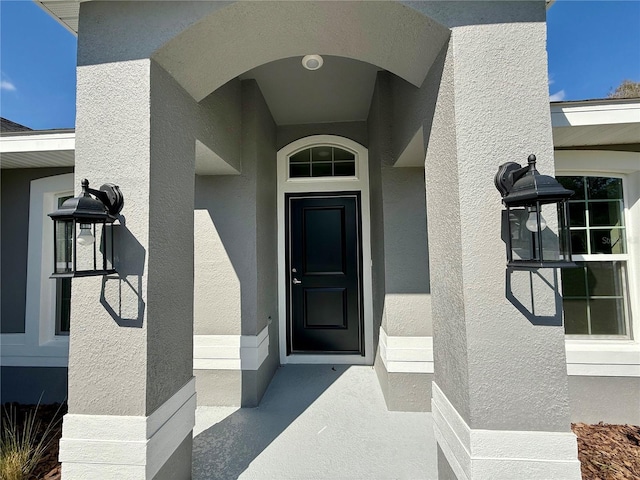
(296, 281)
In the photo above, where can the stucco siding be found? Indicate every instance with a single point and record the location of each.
(378, 131)
(225, 238)
(605, 399)
(263, 135)
(449, 347)
(235, 253)
(482, 109)
(132, 30)
(14, 239)
(356, 131)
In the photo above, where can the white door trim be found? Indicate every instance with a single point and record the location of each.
(358, 183)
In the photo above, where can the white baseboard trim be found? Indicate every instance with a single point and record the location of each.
(230, 352)
(406, 354)
(132, 447)
(502, 455)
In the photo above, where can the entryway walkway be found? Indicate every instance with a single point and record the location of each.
(315, 422)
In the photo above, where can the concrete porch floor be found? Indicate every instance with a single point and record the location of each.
(315, 422)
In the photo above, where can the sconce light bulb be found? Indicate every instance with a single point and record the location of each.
(85, 237)
(532, 222)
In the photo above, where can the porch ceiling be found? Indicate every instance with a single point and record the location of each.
(340, 91)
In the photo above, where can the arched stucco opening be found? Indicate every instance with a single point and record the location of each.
(244, 35)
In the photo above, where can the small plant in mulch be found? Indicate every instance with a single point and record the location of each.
(27, 437)
(608, 452)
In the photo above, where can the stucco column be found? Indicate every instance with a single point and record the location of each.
(131, 387)
(500, 396)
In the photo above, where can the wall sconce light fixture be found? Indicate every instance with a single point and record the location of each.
(525, 193)
(83, 232)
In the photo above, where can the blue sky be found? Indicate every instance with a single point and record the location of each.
(592, 47)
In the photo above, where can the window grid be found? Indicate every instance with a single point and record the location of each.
(621, 286)
(590, 256)
(314, 165)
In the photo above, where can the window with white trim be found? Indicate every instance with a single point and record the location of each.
(322, 161)
(44, 342)
(596, 294)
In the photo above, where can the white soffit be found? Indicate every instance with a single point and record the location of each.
(64, 11)
(596, 122)
(38, 150)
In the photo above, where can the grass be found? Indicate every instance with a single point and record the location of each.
(23, 443)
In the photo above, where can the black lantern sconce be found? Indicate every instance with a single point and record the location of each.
(83, 232)
(525, 193)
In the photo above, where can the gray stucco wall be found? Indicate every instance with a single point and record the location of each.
(236, 252)
(605, 399)
(241, 211)
(378, 125)
(449, 349)
(130, 30)
(399, 251)
(356, 131)
(14, 242)
(487, 351)
(26, 384)
(399, 214)
(225, 241)
(170, 303)
(137, 128)
(259, 142)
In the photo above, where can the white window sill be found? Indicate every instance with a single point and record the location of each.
(18, 352)
(603, 358)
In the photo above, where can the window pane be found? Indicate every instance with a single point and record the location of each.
(607, 214)
(340, 154)
(321, 154)
(573, 282)
(573, 183)
(604, 278)
(303, 156)
(604, 187)
(299, 170)
(321, 169)
(577, 213)
(602, 310)
(575, 316)
(63, 305)
(607, 316)
(608, 241)
(579, 241)
(345, 169)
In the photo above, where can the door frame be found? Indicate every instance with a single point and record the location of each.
(337, 185)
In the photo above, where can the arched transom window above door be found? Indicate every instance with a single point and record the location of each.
(323, 161)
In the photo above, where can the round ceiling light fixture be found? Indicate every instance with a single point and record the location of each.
(312, 62)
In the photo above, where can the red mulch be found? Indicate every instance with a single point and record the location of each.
(607, 452)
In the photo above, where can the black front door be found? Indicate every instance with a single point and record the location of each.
(324, 291)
